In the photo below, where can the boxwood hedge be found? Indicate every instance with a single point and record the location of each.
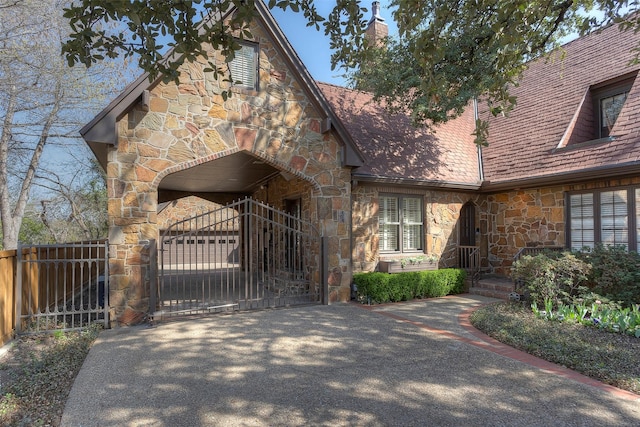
(384, 287)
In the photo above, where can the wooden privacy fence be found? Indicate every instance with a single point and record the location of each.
(7, 294)
(45, 287)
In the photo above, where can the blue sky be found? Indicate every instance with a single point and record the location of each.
(313, 46)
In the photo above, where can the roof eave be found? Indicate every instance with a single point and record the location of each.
(412, 182)
(563, 178)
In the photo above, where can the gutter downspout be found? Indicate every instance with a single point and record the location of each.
(478, 146)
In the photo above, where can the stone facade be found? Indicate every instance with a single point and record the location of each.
(523, 218)
(441, 213)
(190, 124)
(186, 207)
(532, 217)
(507, 222)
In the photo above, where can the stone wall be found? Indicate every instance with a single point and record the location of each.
(190, 124)
(524, 218)
(441, 215)
(186, 207)
(530, 218)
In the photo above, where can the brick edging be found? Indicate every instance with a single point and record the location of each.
(485, 342)
(497, 347)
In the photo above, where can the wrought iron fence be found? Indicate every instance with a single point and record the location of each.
(241, 256)
(62, 286)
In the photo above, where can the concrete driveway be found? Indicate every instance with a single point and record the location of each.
(402, 365)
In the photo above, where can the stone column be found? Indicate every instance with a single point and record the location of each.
(132, 205)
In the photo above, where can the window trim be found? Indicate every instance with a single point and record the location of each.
(256, 67)
(632, 220)
(400, 207)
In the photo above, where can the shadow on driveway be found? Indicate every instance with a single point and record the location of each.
(324, 365)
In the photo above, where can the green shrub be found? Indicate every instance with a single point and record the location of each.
(425, 285)
(372, 287)
(558, 279)
(402, 286)
(615, 273)
(382, 287)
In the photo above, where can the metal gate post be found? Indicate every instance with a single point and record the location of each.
(106, 290)
(324, 270)
(18, 290)
(154, 285)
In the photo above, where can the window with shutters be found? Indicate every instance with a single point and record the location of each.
(244, 67)
(610, 217)
(400, 224)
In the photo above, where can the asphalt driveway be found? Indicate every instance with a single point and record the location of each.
(401, 365)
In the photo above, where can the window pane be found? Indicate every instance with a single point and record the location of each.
(388, 210)
(389, 231)
(582, 221)
(412, 211)
(610, 108)
(613, 217)
(412, 237)
(389, 237)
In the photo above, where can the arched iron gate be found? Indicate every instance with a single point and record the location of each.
(243, 256)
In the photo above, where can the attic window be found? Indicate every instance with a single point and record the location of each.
(244, 66)
(607, 104)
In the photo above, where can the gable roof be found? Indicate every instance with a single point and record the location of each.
(102, 129)
(529, 148)
(395, 152)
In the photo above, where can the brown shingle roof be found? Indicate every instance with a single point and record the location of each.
(395, 150)
(525, 145)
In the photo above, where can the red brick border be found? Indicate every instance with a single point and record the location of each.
(486, 342)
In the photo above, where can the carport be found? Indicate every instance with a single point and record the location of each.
(280, 145)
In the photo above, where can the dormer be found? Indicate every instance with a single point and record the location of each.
(600, 109)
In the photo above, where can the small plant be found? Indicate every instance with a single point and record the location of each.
(610, 318)
(417, 260)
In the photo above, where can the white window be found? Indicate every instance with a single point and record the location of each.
(244, 67)
(400, 224)
(614, 214)
(582, 221)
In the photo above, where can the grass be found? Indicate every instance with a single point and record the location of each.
(36, 376)
(609, 357)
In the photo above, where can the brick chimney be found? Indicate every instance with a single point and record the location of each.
(377, 29)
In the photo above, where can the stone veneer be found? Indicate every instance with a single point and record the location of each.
(532, 217)
(186, 207)
(441, 214)
(507, 221)
(523, 218)
(190, 124)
